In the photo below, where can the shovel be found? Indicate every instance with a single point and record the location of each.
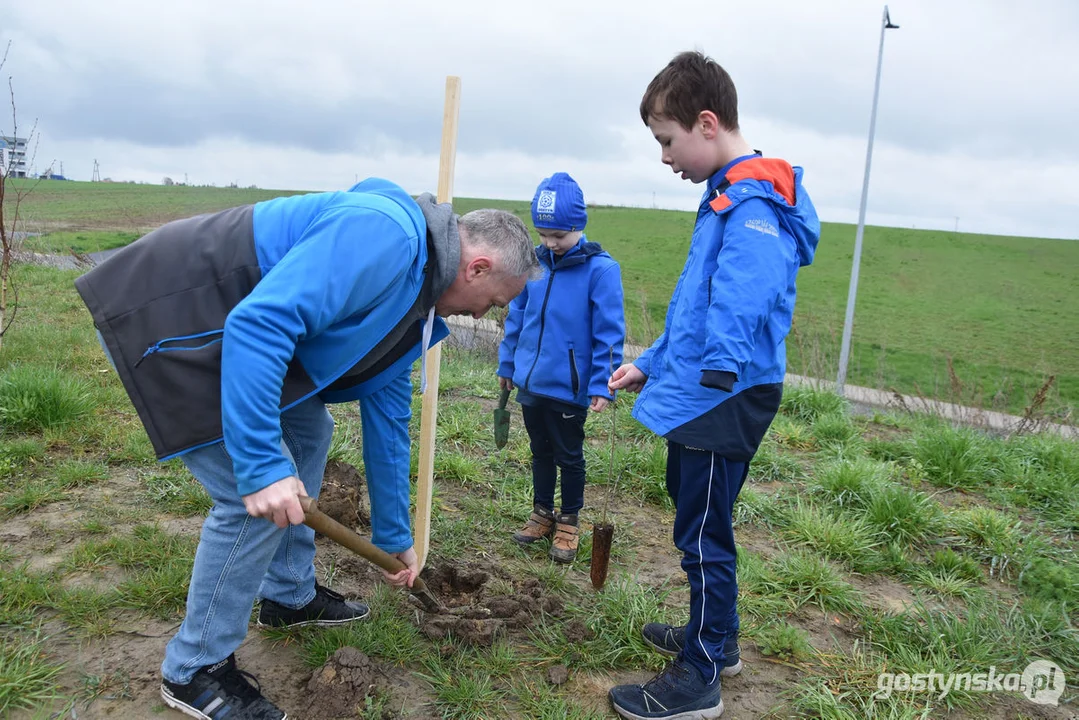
(326, 525)
(502, 420)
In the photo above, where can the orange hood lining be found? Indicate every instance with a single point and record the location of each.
(773, 170)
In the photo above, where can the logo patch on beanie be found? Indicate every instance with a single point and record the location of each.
(546, 202)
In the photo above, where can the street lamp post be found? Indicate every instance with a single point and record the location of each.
(848, 323)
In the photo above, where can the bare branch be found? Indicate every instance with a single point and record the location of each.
(14, 306)
(14, 115)
(9, 241)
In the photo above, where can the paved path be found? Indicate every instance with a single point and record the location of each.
(67, 262)
(483, 333)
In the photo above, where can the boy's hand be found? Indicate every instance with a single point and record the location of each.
(628, 377)
(278, 502)
(598, 403)
(505, 383)
(409, 574)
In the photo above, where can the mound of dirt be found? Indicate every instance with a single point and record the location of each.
(344, 495)
(338, 688)
(477, 615)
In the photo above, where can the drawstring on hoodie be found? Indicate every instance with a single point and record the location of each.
(426, 343)
(442, 261)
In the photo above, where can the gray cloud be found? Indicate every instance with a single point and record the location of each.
(963, 81)
(522, 103)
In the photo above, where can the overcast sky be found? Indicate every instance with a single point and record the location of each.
(977, 118)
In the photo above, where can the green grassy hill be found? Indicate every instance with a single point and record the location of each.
(1001, 309)
(977, 319)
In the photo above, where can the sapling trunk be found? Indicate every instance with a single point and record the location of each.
(603, 532)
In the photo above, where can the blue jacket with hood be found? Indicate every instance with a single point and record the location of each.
(560, 330)
(715, 374)
(219, 323)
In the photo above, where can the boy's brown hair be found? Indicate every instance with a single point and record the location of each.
(691, 83)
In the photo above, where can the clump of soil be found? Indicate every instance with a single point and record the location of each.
(557, 674)
(337, 688)
(344, 495)
(477, 615)
(577, 631)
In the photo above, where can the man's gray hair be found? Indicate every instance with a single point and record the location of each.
(503, 233)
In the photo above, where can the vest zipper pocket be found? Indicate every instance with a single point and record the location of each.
(159, 346)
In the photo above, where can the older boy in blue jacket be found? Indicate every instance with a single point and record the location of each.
(711, 384)
(560, 334)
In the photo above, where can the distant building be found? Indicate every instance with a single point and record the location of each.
(13, 156)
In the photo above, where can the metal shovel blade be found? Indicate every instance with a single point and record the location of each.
(502, 420)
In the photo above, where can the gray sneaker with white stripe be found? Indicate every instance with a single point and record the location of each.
(221, 691)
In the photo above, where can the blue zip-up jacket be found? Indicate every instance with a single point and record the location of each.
(338, 271)
(221, 322)
(560, 330)
(731, 311)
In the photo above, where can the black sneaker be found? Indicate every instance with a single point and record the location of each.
(327, 608)
(677, 692)
(670, 640)
(219, 691)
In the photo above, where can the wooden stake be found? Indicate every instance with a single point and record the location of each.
(429, 409)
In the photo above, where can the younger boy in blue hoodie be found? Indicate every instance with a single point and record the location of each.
(712, 382)
(560, 334)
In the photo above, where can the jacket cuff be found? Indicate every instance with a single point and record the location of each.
(393, 547)
(278, 471)
(600, 390)
(718, 379)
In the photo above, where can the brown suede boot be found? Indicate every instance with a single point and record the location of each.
(540, 525)
(566, 536)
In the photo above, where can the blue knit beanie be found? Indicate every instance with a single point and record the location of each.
(559, 204)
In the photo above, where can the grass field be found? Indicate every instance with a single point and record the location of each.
(891, 543)
(49, 206)
(1000, 310)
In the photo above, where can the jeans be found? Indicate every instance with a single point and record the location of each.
(240, 557)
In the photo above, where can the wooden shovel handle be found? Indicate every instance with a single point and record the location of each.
(323, 524)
